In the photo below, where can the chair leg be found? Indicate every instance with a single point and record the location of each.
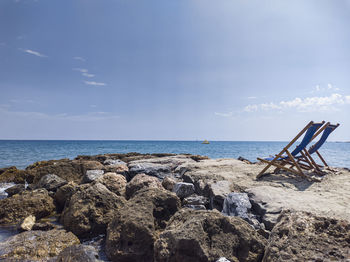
(301, 173)
(323, 161)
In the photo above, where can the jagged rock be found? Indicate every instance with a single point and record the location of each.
(151, 169)
(118, 168)
(168, 183)
(196, 200)
(301, 236)
(36, 245)
(131, 234)
(16, 189)
(222, 259)
(196, 235)
(238, 204)
(141, 181)
(63, 195)
(92, 175)
(51, 182)
(196, 207)
(114, 162)
(218, 192)
(67, 169)
(91, 165)
(183, 189)
(114, 182)
(15, 208)
(78, 253)
(27, 223)
(46, 226)
(90, 209)
(12, 174)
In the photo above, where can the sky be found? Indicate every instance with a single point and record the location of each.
(173, 70)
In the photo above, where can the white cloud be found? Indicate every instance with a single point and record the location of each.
(79, 58)
(308, 104)
(87, 75)
(32, 52)
(229, 114)
(81, 70)
(93, 83)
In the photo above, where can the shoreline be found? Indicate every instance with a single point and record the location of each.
(182, 190)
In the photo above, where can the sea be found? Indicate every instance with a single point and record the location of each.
(21, 153)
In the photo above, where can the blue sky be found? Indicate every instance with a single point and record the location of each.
(178, 70)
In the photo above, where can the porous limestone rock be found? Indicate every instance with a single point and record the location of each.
(92, 175)
(183, 189)
(78, 253)
(50, 182)
(116, 183)
(141, 181)
(27, 223)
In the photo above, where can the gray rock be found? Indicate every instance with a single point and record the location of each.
(51, 182)
(218, 192)
(196, 200)
(223, 259)
(16, 189)
(168, 183)
(114, 162)
(151, 169)
(183, 189)
(196, 207)
(79, 253)
(92, 175)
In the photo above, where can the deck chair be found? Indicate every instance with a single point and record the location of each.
(280, 160)
(306, 158)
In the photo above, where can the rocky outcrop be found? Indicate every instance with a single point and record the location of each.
(218, 192)
(63, 195)
(193, 235)
(301, 236)
(116, 183)
(168, 183)
(12, 174)
(36, 245)
(182, 189)
(78, 253)
(196, 202)
(131, 234)
(90, 209)
(36, 202)
(51, 182)
(92, 175)
(141, 181)
(16, 189)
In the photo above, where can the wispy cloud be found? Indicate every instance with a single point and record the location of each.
(93, 83)
(308, 104)
(229, 114)
(87, 75)
(79, 58)
(32, 52)
(81, 70)
(328, 88)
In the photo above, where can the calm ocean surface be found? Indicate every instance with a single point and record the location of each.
(21, 153)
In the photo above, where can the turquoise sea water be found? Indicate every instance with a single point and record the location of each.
(22, 153)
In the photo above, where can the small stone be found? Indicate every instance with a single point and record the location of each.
(92, 175)
(183, 189)
(27, 223)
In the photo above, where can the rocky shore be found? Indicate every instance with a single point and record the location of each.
(165, 207)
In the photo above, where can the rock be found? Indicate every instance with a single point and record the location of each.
(183, 189)
(36, 245)
(78, 253)
(119, 169)
(63, 195)
(46, 226)
(114, 162)
(15, 208)
(66, 169)
(157, 170)
(12, 174)
(90, 209)
(196, 207)
(218, 192)
(92, 175)
(16, 189)
(244, 160)
(301, 236)
(27, 224)
(91, 165)
(196, 235)
(238, 204)
(141, 181)
(168, 183)
(51, 182)
(222, 259)
(114, 182)
(196, 200)
(131, 234)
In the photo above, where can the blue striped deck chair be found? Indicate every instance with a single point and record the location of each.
(306, 159)
(286, 157)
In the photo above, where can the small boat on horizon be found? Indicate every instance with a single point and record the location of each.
(205, 142)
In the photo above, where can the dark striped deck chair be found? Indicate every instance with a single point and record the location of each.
(285, 157)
